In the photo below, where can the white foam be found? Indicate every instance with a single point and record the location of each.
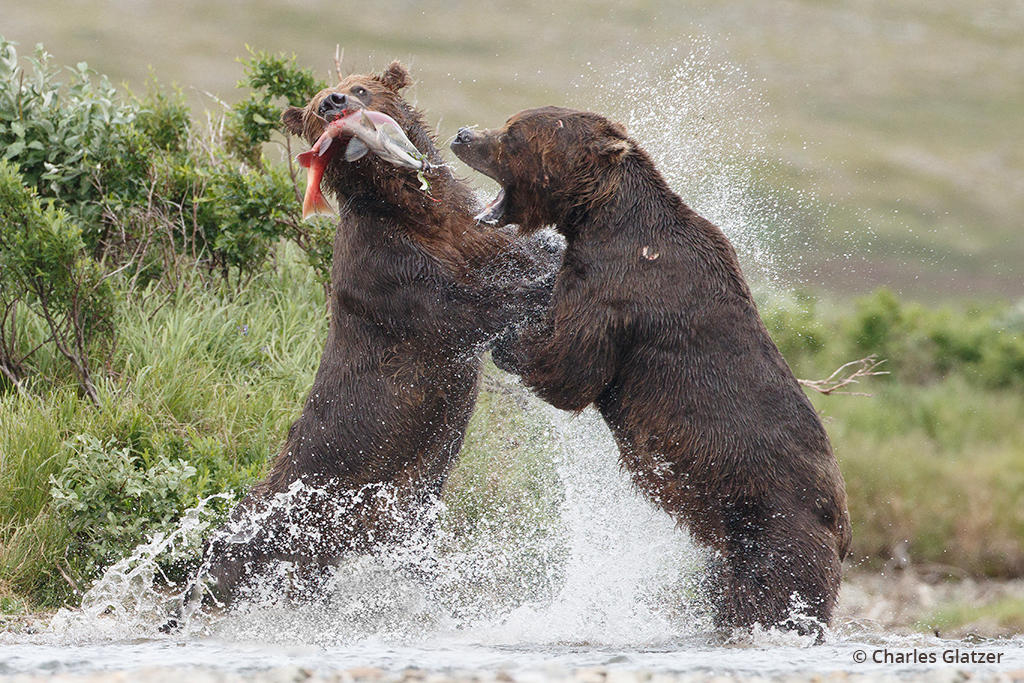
(709, 129)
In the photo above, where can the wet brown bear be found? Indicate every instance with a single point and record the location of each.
(418, 290)
(652, 321)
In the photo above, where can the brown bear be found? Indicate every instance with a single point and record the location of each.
(418, 289)
(651, 321)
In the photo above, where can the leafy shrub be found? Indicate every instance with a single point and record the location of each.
(252, 212)
(44, 266)
(273, 80)
(112, 499)
(796, 327)
(924, 345)
(66, 140)
(876, 323)
(128, 187)
(164, 119)
(139, 177)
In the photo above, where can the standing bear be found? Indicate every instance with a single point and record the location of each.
(418, 289)
(652, 322)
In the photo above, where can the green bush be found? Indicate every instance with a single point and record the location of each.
(67, 141)
(138, 194)
(252, 212)
(795, 325)
(924, 345)
(164, 119)
(43, 265)
(112, 499)
(274, 81)
(139, 176)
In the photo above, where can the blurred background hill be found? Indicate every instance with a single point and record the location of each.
(891, 133)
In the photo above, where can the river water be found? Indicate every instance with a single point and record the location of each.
(618, 562)
(520, 661)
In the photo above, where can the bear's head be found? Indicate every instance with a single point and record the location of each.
(554, 165)
(376, 92)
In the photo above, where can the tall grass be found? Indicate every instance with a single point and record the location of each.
(932, 458)
(934, 475)
(204, 374)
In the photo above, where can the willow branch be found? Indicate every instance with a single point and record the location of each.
(845, 375)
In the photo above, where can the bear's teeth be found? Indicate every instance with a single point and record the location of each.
(493, 212)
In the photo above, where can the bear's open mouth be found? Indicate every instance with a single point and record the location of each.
(493, 212)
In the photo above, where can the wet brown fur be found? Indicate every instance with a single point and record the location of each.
(652, 322)
(418, 291)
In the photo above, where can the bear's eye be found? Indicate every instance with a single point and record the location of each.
(512, 142)
(359, 91)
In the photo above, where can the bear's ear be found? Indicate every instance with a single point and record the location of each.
(395, 77)
(613, 148)
(614, 144)
(292, 119)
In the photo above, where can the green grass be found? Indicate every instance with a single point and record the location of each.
(209, 376)
(215, 377)
(1004, 617)
(936, 472)
(932, 458)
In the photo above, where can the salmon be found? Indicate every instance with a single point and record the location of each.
(371, 131)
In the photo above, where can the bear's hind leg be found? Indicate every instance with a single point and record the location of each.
(779, 570)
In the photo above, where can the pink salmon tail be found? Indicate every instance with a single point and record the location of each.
(314, 203)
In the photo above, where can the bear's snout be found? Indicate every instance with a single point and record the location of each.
(465, 136)
(334, 105)
(477, 150)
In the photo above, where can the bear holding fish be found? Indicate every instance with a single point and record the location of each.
(418, 291)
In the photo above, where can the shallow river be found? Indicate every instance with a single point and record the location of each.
(892, 657)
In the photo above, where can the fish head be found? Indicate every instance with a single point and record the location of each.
(333, 119)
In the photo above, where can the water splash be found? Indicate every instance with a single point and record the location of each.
(708, 129)
(628, 572)
(133, 597)
(607, 568)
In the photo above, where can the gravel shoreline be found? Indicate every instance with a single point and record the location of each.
(363, 675)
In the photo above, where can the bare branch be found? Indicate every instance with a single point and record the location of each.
(13, 379)
(292, 172)
(339, 55)
(843, 376)
(60, 334)
(67, 577)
